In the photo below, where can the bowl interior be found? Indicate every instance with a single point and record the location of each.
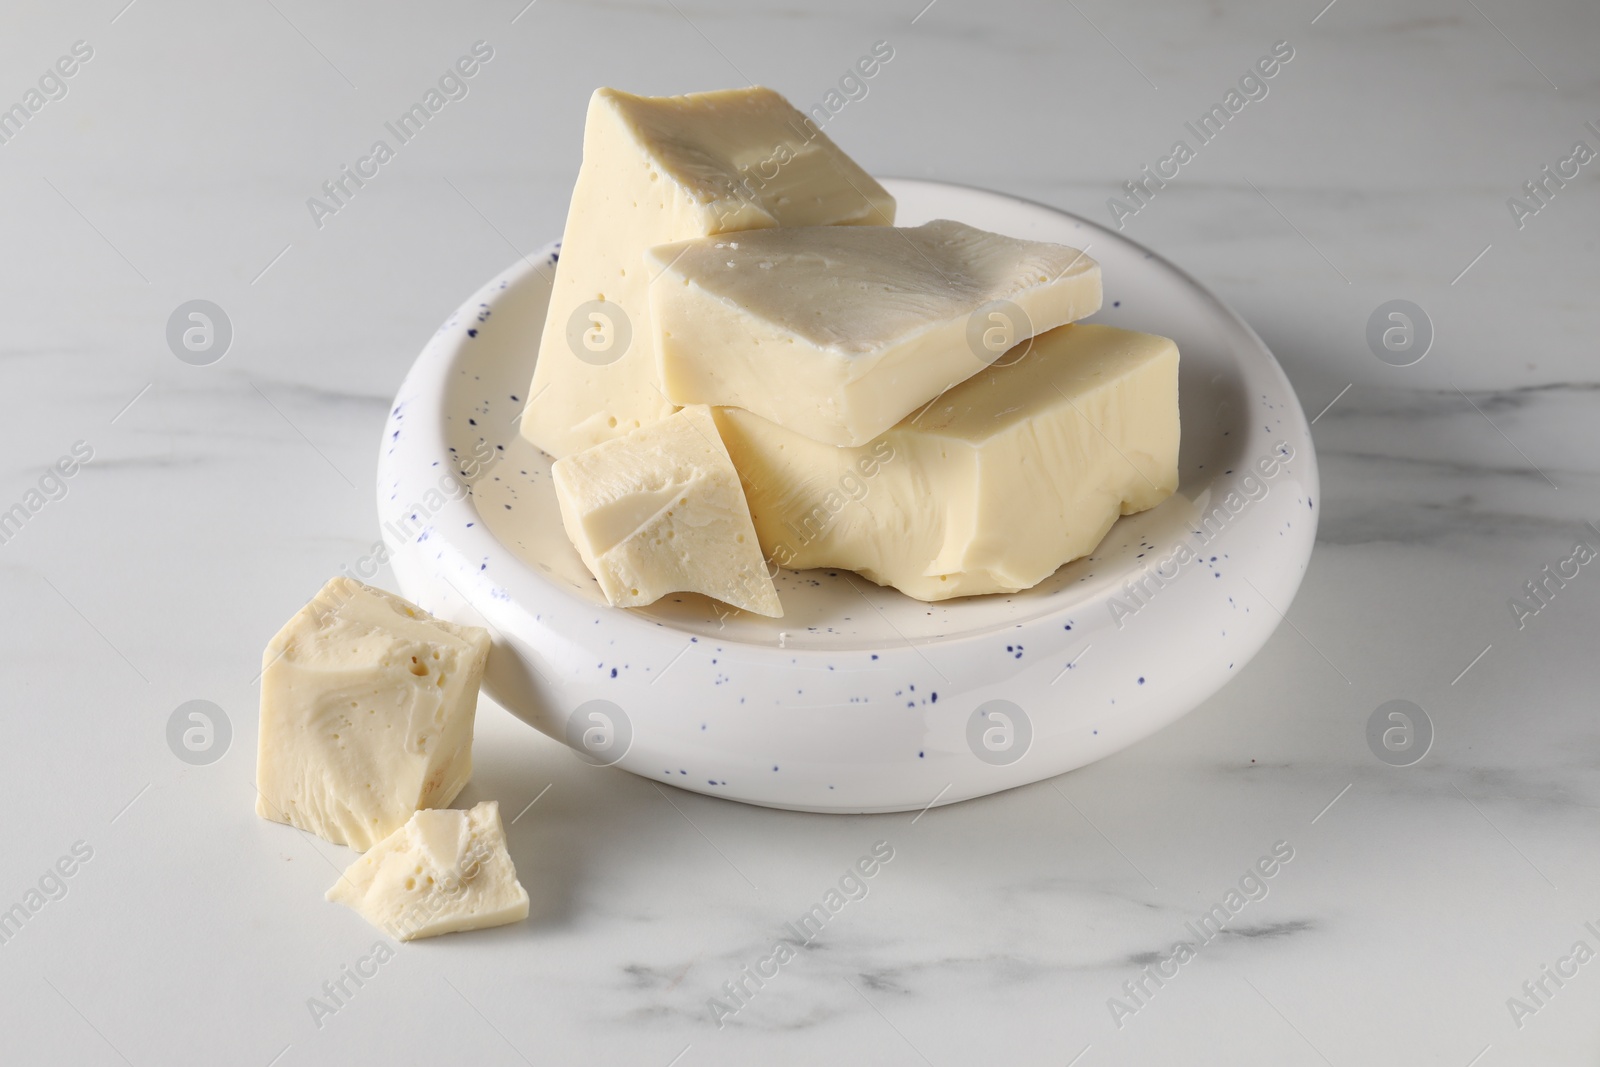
(1220, 364)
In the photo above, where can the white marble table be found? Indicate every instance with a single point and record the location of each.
(1418, 900)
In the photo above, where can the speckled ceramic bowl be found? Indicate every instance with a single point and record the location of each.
(861, 699)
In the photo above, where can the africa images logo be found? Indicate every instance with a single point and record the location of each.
(1252, 86)
(453, 84)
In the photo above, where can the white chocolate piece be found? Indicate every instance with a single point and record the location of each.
(994, 486)
(839, 332)
(367, 707)
(661, 511)
(660, 169)
(444, 871)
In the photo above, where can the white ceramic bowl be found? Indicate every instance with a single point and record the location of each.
(861, 699)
